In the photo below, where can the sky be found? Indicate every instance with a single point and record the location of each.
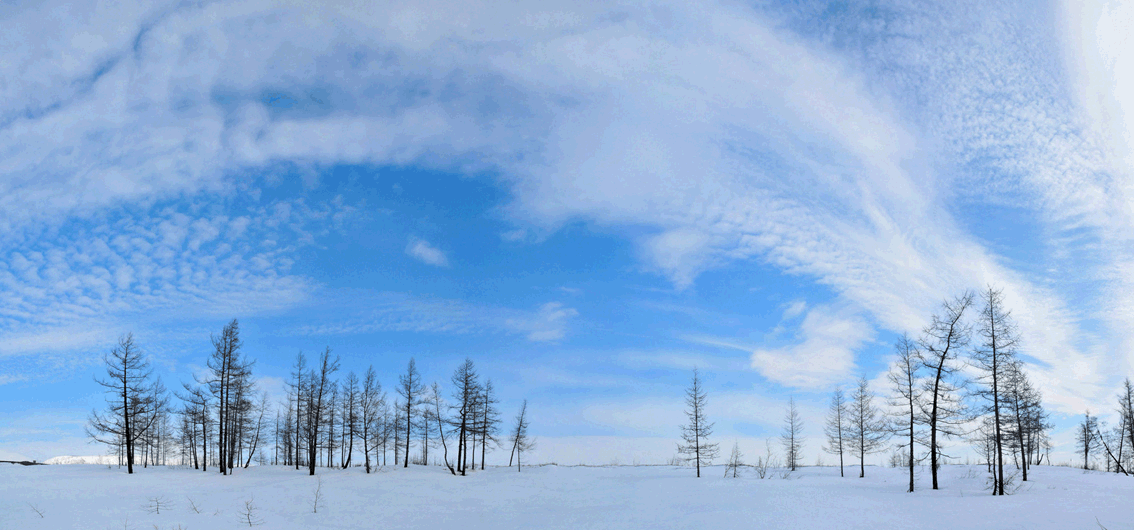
(588, 199)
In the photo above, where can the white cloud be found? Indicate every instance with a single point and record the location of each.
(794, 309)
(823, 354)
(422, 251)
(547, 325)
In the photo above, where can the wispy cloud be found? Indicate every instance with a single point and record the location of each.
(170, 266)
(422, 251)
(403, 312)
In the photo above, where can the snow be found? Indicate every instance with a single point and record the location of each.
(556, 497)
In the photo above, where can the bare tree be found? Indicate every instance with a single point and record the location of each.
(195, 409)
(868, 429)
(331, 412)
(1026, 418)
(696, 432)
(1126, 412)
(836, 426)
(409, 387)
(371, 405)
(434, 400)
(256, 435)
(489, 419)
(735, 462)
(903, 378)
(943, 340)
(229, 381)
(318, 384)
(792, 435)
(520, 439)
(466, 388)
(130, 402)
(1086, 437)
(992, 359)
(350, 416)
(298, 388)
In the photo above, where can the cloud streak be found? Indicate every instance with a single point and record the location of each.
(403, 312)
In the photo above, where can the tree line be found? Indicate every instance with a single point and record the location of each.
(962, 378)
(221, 420)
(1113, 445)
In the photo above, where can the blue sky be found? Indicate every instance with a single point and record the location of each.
(588, 199)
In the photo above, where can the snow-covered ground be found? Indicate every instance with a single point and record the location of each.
(95, 497)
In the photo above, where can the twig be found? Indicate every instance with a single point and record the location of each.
(318, 496)
(249, 514)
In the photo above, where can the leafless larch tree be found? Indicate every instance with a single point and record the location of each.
(696, 432)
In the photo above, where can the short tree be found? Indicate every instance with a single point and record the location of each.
(792, 436)
(735, 462)
(868, 430)
(1086, 437)
(520, 439)
(695, 434)
(836, 426)
(433, 406)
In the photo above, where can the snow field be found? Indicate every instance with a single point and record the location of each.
(95, 497)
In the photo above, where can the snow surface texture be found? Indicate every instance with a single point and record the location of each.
(95, 497)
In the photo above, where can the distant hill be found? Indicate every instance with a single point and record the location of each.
(70, 460)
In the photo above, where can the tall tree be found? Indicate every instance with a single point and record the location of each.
(371, 404)
(696, 432)
(466, 388)
(792, 435)
(318, 385)
(330, 415)
(903, 378)
(130, 403)
(1126, 412)
(942, 342)
(297, 389)
(868, 431)
(409, 387)
(229, 381)
(992, 358)
(350, 416)
(836, 426)
(489, 420)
